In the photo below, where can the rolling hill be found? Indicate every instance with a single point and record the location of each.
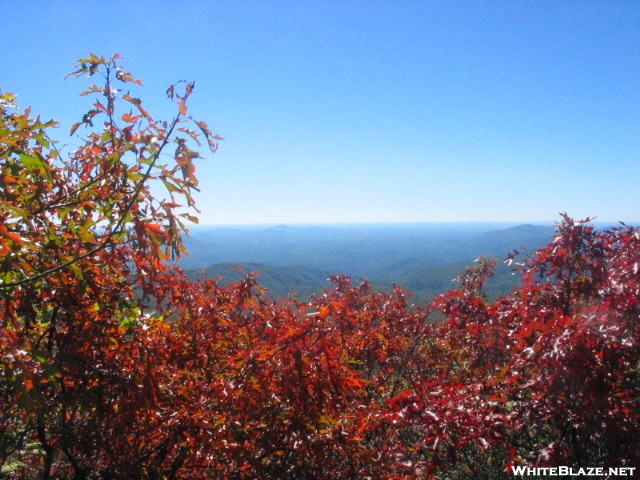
(423, 259)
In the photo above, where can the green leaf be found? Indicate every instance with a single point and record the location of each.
(76, 270)
(34, 162)
(9, 277)
(12, 467)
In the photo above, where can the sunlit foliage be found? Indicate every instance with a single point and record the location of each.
(115, 365)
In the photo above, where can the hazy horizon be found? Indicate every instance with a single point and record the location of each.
(505, 224)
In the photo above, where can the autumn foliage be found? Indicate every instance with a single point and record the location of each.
(115, 365)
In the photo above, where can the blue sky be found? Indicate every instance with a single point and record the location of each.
(369, 111)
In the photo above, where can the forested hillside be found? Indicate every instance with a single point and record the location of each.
(280, 282)
(424, 259)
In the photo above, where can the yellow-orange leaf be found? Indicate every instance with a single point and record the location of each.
(156, 229)
(182, 107)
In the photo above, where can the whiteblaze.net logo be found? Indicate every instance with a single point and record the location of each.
(574, 472)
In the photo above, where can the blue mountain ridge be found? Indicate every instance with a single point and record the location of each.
(422, 258)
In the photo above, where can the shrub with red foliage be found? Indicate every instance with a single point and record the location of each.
(548, 375)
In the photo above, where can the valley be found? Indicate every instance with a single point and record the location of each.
(298, 260)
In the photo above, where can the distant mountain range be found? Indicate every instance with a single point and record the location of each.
(423, 259)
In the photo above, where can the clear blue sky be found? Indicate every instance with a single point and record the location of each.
(369, 111)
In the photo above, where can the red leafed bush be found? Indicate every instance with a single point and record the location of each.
(548, 375)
